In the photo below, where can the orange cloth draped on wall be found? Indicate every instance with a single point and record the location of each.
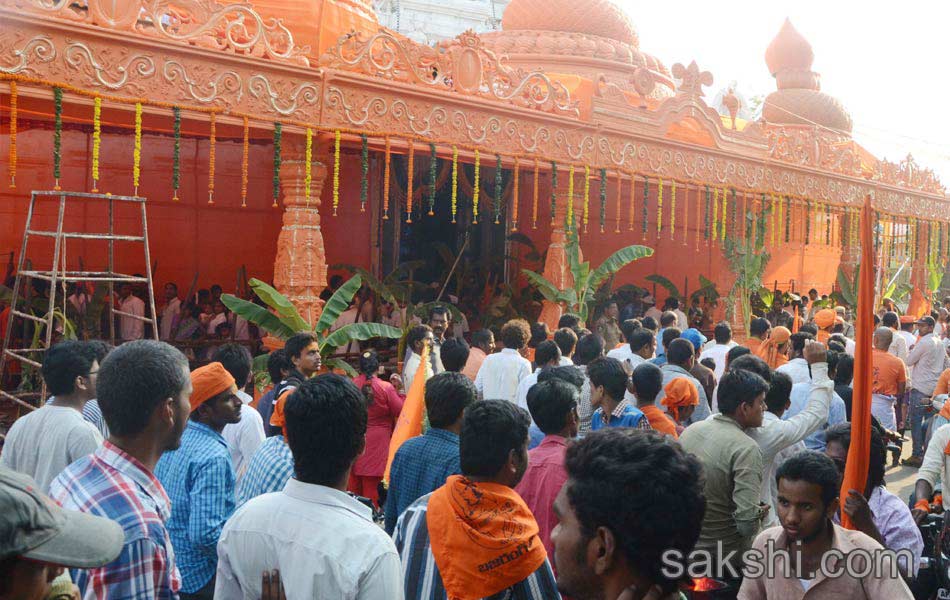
(856, 471)
(409, 423)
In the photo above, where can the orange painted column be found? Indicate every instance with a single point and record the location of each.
(300, 268)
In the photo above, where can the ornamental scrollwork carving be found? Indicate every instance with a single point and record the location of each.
(287, 99)
(100, 72)
(38, 49)
(205, 84)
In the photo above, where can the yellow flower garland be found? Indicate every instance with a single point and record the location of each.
(212, 146)
(619, 200)
(659, 208)
(308, 167)
(478, 167)
(686, 214)
(515, 196)
(96, 140)
(586, 196)
(715, 206)
(245, 147)
(386, 181)
(336, 170)
(410, 170)
(137, 149)
(569, 219)
(723, 218)
(13, 117)
(672, 209)
(534, 197)
(455, 181)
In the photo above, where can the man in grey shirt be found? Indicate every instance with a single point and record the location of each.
(46, 441)
(928, 359)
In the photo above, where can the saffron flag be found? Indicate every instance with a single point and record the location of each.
(856, 471)
(409, 423)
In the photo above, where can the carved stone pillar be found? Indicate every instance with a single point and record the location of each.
(300, 269)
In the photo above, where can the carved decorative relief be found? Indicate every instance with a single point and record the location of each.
(20, 58)
(204, 83)
(285, 97)
(111, 69)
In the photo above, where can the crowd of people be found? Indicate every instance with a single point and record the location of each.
(576, 462)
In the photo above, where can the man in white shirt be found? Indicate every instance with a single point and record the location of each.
(47, 440)
(935, 467)
(898, 347)
(640, 349)
(130, 328)
(170, 312)
(797, 366)
(928, 360)
(717, 352)
(547, 354)
(623, 353)
(501, 372)
(323, 541)
(247, 435)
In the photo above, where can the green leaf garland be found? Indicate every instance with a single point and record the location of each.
(364, 172)
(807, 222)
(57, 133)
(603, 198)
(646, 201)
(278, 133)
(433, 166)
(553, 191)
(498, 190)
(706, 215)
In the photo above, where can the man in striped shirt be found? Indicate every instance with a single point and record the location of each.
(270, 469)
(143, 390)
(491, 549)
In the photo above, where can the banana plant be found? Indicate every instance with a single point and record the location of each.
(848, 287)
(747, 258)
(935, 273)
(667, 284)
(707, 291)
(285, 321)
(579, 298)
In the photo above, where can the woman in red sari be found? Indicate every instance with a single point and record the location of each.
(383, 407)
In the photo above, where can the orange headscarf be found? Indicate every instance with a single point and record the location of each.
(769, 350)
(209, 381)
(483, 536)
(680, 392)
(825, 320)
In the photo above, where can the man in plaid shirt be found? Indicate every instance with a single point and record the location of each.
(143, 391)
(270, 469)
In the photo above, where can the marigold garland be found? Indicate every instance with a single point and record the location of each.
(619, 200)
(176, 154)
(96, 140)
(455, 181)
(498, 190)
(58, 133)
(706, 214)
(476, 186)
(137, 149)
(787, 211)
(515, 195)
(336, 171)
(364, 172)
(724, 221)
(386, 174)
(633, 203)
(553, 191)
(808, 217)
(13, 124)
(433, 165)
(715, 216)
(646, 208)
(534, 196)
(410, 176)
(569, 214)
(672, 209)
(278, 134)
(659, 208)
(773, 216)
(827, 224)
(307, 166)
(211, 154)
(603, 198)
(586, 212)
(245, 152)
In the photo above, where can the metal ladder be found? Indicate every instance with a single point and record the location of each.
(59, 275)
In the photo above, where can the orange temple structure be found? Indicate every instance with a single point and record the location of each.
(563, 87)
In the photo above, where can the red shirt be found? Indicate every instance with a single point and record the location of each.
(381, 420)
(541, 483)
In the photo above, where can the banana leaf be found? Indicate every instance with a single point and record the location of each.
(666, 283)
(934, 276)
(339, 363)
(848, 291)
(547, 289)
(767, 296)
(617, 261)
(285, 309)
(422, 310)
(260, 316)
(358, 332)
(404, 269)
(337, 304)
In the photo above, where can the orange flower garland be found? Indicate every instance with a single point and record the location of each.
(515, 196)
(244, 156)
(586, 197)
(137, 149)
(13, 117)
(672, 209)
(659, 208)
(386, 160)
(336, 171)
(212, 144)
(410, 170)
(534, 197)
(308, 167)
(619, 200)
(96, 140)
(633, 194)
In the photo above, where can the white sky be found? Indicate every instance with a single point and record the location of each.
(886, 61)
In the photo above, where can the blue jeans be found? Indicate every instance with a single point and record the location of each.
(920, 416)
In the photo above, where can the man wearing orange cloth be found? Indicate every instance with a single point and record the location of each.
(774, 350)
(825, 321)
(199, 479)
(476, 530)
(890, 379)
(758, 334)
(681, 399)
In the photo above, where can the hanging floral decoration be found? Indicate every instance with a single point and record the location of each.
(498, 190)
(58, 133)
(553, 191)
(633, 200)
(569, 214)
(828, 218)
(515, 195)
(619, 200)
(137, 150)
(787, 211)
(772, 220)
(534, 196)
(455, 181)
(387, 156)
(659, 208)
(96, 140)
(245, 147)
(706, 214)
(724, 223)
(433, 166)
(646, 201)
(672, 209)
(603, 198)
(176, 154)
(212, 144)
(586, 213)
(808, 218)
(308, 167)
(715, 216)
(476, 186)
(278, 134)
(410, 177)
(940, 245)
(364, 172)
(336, 171)
(13, 124)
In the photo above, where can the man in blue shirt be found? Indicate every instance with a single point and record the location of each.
(423, 463)
(608, 384)
(199, 479)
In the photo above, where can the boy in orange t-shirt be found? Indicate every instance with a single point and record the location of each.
(645, 384)
(889, 379)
